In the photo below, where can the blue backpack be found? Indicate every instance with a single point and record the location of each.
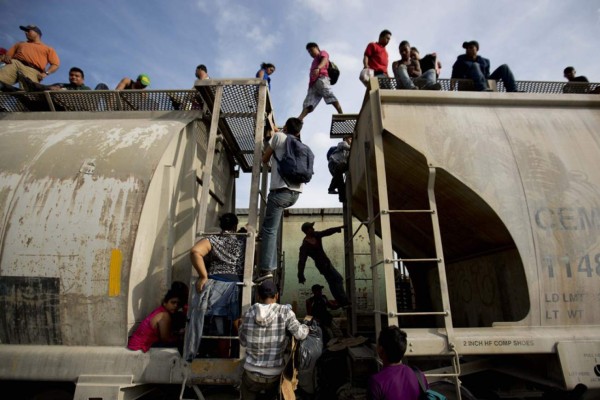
(296, 165)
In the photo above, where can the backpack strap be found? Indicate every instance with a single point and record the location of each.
(419, 376)
(287, 135)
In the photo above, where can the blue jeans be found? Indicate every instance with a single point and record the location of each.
(504, 74)
(475, 73)
(219, 299)
(404, 81)
(277, 201)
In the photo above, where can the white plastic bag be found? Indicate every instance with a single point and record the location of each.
(365, 75)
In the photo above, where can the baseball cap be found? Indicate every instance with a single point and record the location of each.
(316, 287)
(471, 43)
(307, 225)
(267, 288)
(31, 28)
(144, 79)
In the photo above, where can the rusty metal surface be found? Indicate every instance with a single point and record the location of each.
(62, 221)
(518, 199)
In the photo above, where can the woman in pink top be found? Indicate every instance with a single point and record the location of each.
(156, 329)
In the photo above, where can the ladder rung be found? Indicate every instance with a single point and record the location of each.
(423, 313)
(409, 211)
(414, 260)
(391, 314)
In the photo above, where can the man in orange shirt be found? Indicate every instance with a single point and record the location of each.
(31, 58)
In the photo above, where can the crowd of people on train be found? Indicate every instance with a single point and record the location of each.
(214, 310)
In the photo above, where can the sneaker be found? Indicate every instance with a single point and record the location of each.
(27, 84)
(332, 191)
(8, 88)
(263, 275)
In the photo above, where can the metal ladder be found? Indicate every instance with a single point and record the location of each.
(257, 191)
(392, 312)
(373, 148)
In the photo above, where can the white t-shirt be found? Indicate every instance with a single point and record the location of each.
(277, 143)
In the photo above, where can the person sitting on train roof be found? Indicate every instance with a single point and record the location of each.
(156, 330)
(472, 66)
(201, 74)
(570, 73)
(430, 61)
(141, 82)
(408, 73)
(76, 82)
(30, 58)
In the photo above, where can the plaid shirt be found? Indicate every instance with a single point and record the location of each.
(263, 333)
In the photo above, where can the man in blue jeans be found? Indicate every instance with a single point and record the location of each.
(281, 196)
(472, 66)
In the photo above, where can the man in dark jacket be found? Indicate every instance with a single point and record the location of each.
(312, 247)
(472, 66)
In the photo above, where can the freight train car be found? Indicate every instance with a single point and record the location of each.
(491, 203)
(102, 195)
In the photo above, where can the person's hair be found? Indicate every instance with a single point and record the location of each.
(182, 289)
(415, 50)
(403, 43)
(267, 65)
(385, 32)
(310, 45)
(171, 294)
(228, 221)
(202, 67)
(293, 125)
(393, 342)
(569, 70)
(77, 69)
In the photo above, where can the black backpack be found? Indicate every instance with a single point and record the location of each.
(333, 72)
(296, 165)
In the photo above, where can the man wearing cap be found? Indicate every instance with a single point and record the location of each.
(263, 332)
(472, 66)
(31, 58)
(141, 82)
(312, 246)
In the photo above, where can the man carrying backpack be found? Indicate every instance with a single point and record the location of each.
(283, 193)
(337, 161)
(319, 85)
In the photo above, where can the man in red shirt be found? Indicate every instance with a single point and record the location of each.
(31, 58)
(376, 56)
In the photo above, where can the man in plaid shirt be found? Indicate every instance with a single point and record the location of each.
(263, 333)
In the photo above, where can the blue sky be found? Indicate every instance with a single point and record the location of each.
(112, 39)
